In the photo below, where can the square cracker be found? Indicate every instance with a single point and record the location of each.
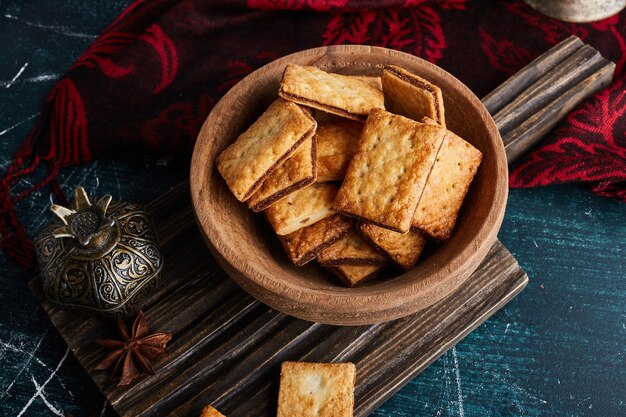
(352, 275)
(373, 80)
(305, 244)
(342, 95)
(302, 208)
(264, 146)
(323, 117)
(447, 185)
(316, 389)
(297, 172)
(404, 249)
(386, 177)
(351, 250)
(337, 143)
(412, 96)
(209, 411)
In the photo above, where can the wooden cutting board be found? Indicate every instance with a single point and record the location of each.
(227, 347)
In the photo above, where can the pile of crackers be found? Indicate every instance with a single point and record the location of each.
(356, 172)
(309, 389)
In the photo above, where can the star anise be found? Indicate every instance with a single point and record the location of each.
(134, 352)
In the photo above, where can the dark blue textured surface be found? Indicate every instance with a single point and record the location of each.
(558, 349)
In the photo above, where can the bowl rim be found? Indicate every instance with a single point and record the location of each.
(305, 302)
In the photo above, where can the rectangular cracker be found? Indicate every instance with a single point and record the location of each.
(404, 249)
(316, 389)
(297, 172)
(373, 80)
(448, 183)
(302, 208)
(351, 250)
(337, 143)
(209, 411)
(264, 146)
(386, 177)
(342, 95)
(323, 117)
(412, 96)
(352, 275)
(305, 244)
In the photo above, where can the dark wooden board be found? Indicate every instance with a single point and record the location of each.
(227, 347)
(530, 103)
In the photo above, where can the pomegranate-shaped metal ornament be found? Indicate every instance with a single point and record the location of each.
(101, 256)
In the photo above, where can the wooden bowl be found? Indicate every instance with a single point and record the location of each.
(246, 247)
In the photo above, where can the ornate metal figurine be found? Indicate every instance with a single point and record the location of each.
(102, 257)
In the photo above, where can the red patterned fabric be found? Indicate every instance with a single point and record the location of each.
(153, 75)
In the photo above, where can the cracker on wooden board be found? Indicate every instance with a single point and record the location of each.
(305, 244)
(297, 172)
(412, 96)
(316, 389)
(337, 143)
(302, 208)
(386, 177)
(264, 146)
(404, 249)
(343, 95)
(352, 275)
(446, 188)
(352, 249)
(209, 411)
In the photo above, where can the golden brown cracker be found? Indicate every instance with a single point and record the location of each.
(352, 275)
(264, 146)
(412, 96)
(209, 411)
(404, 249)
(297, 172)
(447, 185)
(386, 177)
(336, 145)
(316, 389)
(342, 95)
(373, 80)
(302, 208)
(305, 244)
(351, 250)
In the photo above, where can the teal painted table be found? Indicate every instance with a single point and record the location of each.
(558, 349)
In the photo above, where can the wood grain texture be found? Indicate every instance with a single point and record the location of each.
(533, 101)
(227, 347)
(230, 229)
(511, 88)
